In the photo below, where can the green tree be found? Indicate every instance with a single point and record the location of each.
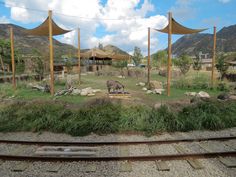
(160, 59)
(184, 63)
(222, 66)
(137, 56)
(69, 66)
(39, 65)
(121, 65)
(5, 51)
(197, 63)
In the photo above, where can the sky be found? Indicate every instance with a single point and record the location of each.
(122, 23)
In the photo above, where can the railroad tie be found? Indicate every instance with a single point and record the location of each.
(229, 162)
(231, 144)
(160, 165)
(66, 151)
(20, 166)
(51, 167)
(126, 165)
(89, 168)
(193, 162)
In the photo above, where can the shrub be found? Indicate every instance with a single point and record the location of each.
(102, 116)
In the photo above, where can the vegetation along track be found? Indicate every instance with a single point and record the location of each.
(182, 155)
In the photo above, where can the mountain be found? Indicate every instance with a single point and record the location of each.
(114, 49)
(191, 44)
(26, 44)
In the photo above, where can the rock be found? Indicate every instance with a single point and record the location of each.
(61, 92)
(149, 92)
(232, 97)
(83, 93)
(155, 85)
(223, 96)
(91, 94)
(191, 93)
(157, 105)
(144, 89)
(141, 84)
(96, 90)
(86, 91)
(76, 91)
(121, 77)
(175, 73)
(158, 91)
(202, 94)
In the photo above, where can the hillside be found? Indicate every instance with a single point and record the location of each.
(190, 44)
(114, 49)
(25, 43)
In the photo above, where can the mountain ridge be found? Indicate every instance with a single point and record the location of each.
(194, 43)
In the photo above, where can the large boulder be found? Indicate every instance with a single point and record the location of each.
(141, 84)
(155, 85)
(76, 91)
(86, 91)
(144, 89)
(149, 92)
(191, 93)
(96, 90)
(174, 73)
(232, 97)
(202, 94)
(158, 91)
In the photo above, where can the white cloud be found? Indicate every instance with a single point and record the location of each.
(4, 20)
(183, 10)
(91, 14)
(224, 1)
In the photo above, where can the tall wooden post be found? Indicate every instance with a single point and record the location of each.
(51, 53)
(13, 59)
(79, 69)
(169, 54)
(148, 61)
(213, 59)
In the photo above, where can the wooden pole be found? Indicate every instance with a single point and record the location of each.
(51, 53)
(79, 69)
(213, 59)
(148, 62)
(13, 59)
(169, 54)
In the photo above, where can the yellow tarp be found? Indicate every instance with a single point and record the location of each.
(43, 29)
(179, 29)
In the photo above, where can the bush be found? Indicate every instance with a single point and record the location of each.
(198, 82)
(102, 116)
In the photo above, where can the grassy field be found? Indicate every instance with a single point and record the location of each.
(99, 82)
(25, 109)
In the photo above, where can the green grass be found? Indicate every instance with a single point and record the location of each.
(99, 82)
(102, 116)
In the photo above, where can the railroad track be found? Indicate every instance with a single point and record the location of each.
(159, 152)
(60, 155)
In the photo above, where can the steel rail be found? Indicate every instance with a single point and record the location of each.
(115, 143)
(121, 158)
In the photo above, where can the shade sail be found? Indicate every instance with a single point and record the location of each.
(179, 29)
(43, 29)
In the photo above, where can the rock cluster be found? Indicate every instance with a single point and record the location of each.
(75, 91)
(155, 87)
(200, 94)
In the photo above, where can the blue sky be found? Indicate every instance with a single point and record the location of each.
(119, 22)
